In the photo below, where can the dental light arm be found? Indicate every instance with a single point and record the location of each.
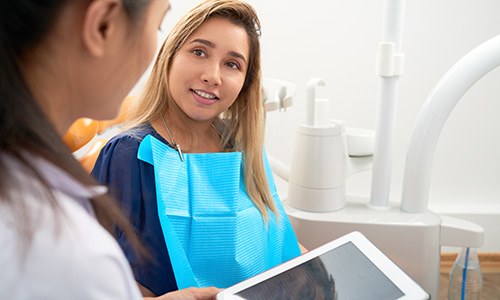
(445, 95)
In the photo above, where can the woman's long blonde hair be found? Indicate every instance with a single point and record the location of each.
(244, 120)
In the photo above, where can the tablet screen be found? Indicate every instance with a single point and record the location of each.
(343, 273)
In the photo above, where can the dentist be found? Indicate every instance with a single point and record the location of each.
(59, 61)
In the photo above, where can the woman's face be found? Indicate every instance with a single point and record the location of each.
(208, 71)
(144, 44)
(133, 52)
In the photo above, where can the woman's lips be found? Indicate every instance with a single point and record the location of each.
(204, 97)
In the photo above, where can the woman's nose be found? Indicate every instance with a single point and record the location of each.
(212, 75)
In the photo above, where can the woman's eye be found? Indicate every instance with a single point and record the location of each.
(198, 52)
(233, 65)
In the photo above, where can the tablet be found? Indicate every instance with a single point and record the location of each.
(348, 268)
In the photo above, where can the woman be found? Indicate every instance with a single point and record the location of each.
(191, 170)
(62, 60)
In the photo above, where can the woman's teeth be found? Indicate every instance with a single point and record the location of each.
(204, 95)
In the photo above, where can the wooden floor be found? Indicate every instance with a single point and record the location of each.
(490, 267)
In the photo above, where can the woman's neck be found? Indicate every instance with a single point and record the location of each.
(50, 92)
(191, 136)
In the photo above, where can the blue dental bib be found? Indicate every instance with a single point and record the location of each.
(214, 233)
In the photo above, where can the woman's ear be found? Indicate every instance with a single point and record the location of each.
(100, 22)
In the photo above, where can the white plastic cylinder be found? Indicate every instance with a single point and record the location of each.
(393, 22)
(311, 99)
(387, 96)
(318, 168)
(384, 140)
(322, 115)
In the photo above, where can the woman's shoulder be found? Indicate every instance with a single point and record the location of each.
(133, 136)
(52, 246)
(68, 255)
(126, 143)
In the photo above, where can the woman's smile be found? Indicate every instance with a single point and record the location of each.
(203, 97)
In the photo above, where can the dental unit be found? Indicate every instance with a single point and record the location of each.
(326, 153)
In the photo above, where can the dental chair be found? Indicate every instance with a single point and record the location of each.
(86, 137)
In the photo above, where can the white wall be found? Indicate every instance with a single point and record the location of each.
(337, 41)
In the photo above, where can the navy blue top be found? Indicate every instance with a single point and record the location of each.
(131, 181)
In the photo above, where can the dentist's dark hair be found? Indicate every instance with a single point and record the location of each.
(25, 130)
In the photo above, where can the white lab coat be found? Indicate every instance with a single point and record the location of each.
(69, 255)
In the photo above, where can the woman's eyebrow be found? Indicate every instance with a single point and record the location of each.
(212, 45)
(237, 55)
(204, 42)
